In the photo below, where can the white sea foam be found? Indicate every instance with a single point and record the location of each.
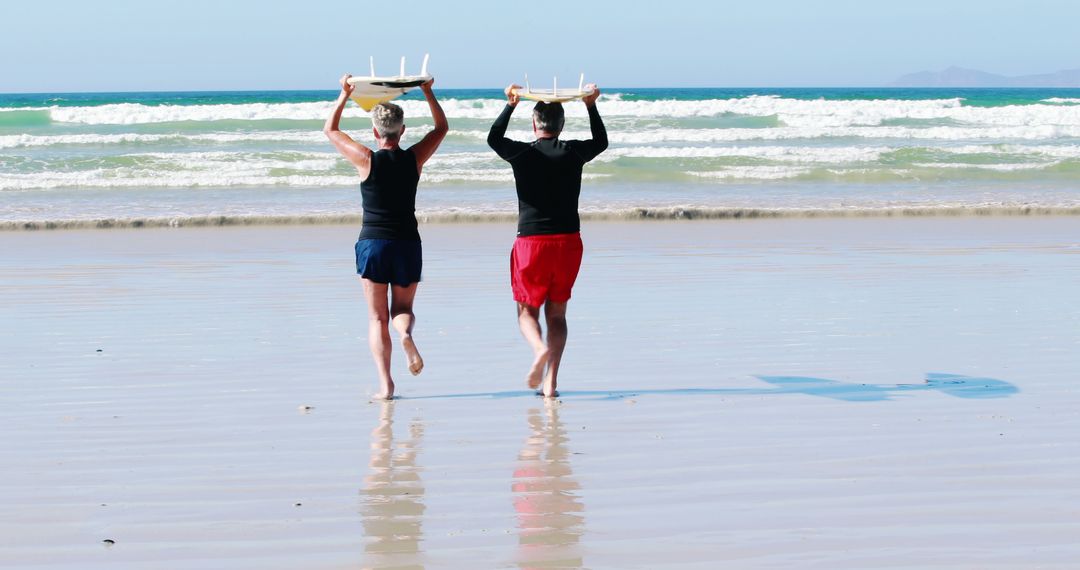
(715, 135)
(753, 173)
(640, 137)
(1056, 151)
(281, 136)
(135, 113)
(326, 168)
(24, 141)
(775, 153)
(505, 176)
(1030, 151)
(192, 169)
(1062, 101)
(462, 158)
(291, 136)
(207, 172)
(819, 113)
(242, 163)
(621, 137)
(625, 137)
(771, 172)
(994, 167)
(810, 140)
(143, 178)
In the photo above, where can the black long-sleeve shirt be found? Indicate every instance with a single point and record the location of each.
(547, 174)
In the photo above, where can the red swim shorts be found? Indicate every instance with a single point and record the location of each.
(544, 267)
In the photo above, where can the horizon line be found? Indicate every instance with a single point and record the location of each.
(281, 90)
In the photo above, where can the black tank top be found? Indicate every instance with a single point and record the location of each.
(389, 195)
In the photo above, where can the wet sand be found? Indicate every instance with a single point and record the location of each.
(820, 393)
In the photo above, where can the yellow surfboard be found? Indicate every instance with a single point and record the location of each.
(373, 89)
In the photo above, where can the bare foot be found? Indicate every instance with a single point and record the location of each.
(416, 363)
(387, 392)
(549, 391)
(536, 373)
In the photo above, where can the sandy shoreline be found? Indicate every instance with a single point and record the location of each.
(606, 214)
(812, 393)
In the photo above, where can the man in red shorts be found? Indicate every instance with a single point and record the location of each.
(547, 252)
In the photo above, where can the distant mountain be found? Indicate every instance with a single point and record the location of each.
(960, 77)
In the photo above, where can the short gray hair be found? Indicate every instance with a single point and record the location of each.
(388, 119)
(549, 117)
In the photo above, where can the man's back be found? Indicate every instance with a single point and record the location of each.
(547, 174)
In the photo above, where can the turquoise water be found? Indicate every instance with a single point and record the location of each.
(259, 156)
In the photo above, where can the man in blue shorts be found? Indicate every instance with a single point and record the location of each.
(388, 250)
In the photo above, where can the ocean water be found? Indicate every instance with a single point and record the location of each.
(121, 159)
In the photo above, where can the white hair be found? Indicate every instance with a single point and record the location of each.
(388, 119)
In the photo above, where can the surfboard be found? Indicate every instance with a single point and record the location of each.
(373, 89)
(553, 95)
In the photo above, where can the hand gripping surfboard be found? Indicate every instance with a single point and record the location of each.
(373, 89)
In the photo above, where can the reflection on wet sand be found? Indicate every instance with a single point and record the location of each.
(393, 497)
(549, 510)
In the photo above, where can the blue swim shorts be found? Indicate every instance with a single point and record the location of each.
(394, 261)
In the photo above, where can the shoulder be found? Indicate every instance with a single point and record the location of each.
(510, 143)
(575, 146)
(513, 149)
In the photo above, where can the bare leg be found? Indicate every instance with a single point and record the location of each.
(403, 318)
(529, 321)
(555, 314)
(379, 334)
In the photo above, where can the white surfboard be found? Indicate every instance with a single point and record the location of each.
(373, 89)
(554, 95)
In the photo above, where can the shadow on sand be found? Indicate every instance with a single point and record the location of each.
(968, 387)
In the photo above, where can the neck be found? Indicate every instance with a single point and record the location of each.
(546, 135)
(388, 145)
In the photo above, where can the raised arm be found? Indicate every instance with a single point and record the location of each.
(504, 147)
(427, 145)
(599, 143)
(356, 153)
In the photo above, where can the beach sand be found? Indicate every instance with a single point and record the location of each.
(820, 393)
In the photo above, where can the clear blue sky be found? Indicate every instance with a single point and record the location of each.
(159, 45)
